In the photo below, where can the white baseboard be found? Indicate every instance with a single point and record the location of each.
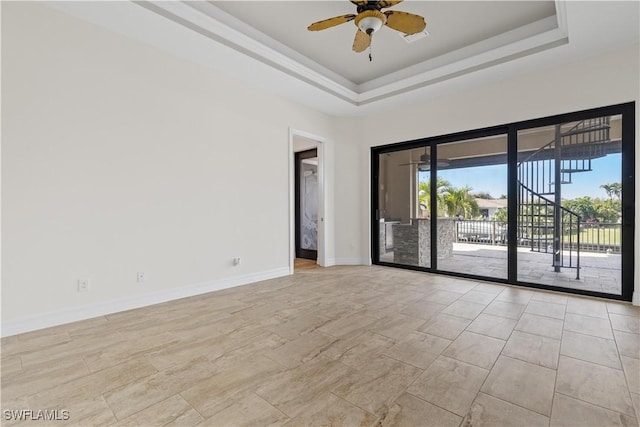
(54, 318)
(329, 262)
(351, 261)
(635, 299)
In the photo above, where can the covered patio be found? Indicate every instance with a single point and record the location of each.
(599, 272)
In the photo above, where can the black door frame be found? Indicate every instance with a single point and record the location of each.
(627, 110)
(299, 156)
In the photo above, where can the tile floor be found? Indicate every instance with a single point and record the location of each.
(352, 346)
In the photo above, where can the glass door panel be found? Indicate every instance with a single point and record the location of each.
(472, 207)
(570, 205)
(403, 224)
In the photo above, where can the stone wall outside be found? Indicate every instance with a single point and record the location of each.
(412, 242)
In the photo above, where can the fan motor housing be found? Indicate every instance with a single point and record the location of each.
(370, 15)
(371, 5)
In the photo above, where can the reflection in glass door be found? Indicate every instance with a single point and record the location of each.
(570, 205)
(403, 209)
(472, 206)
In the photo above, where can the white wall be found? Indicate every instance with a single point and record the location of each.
(351, 194)
(594, 82)
(119, 158)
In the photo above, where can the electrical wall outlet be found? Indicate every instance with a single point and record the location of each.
(236, 261)
(140, 277)
(83, 285)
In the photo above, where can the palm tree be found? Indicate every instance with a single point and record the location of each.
(613, 189)
(424, 191)
(459, 201)
(451, 201)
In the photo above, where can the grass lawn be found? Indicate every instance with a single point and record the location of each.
(604, 236)
(593, 236)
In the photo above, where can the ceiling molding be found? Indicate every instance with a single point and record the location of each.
(206, 19)
(561, 16)
(425, 80)
(463, 61)
(184, 14)
(524, 38)
(241, 27)
(582, 29)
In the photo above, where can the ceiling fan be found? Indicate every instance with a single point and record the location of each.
(370, 18)
(424, 164)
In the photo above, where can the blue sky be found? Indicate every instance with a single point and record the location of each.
(493, 179)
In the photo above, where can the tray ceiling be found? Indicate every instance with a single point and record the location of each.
(464, 36)
(471, 43)
(452, 26)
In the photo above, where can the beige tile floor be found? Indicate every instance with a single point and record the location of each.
(352, 346)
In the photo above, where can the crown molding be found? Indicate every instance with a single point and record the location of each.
(210, 21)
(193, 31)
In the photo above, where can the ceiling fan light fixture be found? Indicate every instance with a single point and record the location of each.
(370, 21)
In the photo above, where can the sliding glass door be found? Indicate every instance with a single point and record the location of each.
(546, 203)
(570, 195)
(403, 210)
(448, 212)
(471, 204)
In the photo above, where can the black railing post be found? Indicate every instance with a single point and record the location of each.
(557, 214)
(570, 242)
(578, 252)
(493, 233)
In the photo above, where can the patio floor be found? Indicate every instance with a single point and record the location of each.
(599, 272)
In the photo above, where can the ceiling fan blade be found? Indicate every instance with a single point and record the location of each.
(331, 22)
(362, 41)
(359, 2)
(388, 3)
(404, 22)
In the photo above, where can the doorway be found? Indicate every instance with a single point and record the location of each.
(300, 141)
(306, 204)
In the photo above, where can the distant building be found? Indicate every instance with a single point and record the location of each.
(489, 207)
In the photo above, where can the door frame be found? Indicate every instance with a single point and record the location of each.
(320, 144)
